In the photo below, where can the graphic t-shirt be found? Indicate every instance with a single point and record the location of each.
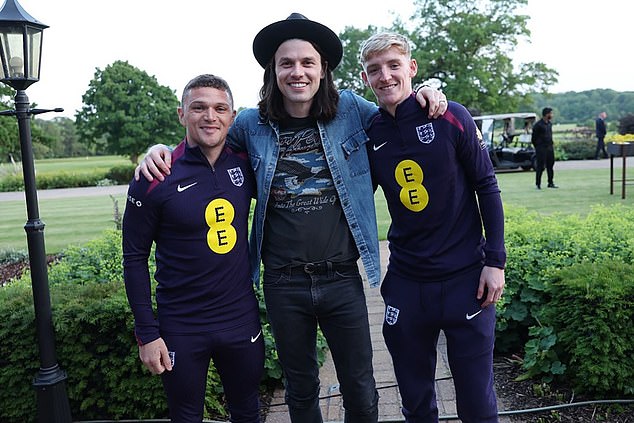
(304, 219)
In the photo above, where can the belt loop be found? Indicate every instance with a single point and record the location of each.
(329, 267)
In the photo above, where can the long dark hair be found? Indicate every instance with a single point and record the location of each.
(323, 108)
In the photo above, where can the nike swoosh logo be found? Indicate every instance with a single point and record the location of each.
(471, 316)
(179, 188)
(253, 339)
(376, 147)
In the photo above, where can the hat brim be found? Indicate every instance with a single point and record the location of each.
(267, 41)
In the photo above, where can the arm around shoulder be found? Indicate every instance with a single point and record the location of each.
(157, 162)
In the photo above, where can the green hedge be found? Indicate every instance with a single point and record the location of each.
(117, 175)
(121, 175)
(94, 341)
(591, 310)
(539, 248)
(578, 150)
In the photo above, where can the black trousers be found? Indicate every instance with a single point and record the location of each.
(545, 160)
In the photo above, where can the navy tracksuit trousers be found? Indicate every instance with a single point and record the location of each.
(238, 355)
(416, 311)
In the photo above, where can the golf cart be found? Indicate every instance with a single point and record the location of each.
(509, 148)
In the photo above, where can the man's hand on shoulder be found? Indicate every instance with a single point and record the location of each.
(436, 99)
(156, 163)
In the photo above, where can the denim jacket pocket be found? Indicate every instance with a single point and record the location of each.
(355, 153)
(255, 161)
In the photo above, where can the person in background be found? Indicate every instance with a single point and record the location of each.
(601, 130)
(542, 140)
(443, 274)
(206, 305)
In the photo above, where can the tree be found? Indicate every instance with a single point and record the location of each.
(626, 124)
(10, 149)
(66, 141)
(464, 47)
(9, 141)
(126, 110)
(348, 74)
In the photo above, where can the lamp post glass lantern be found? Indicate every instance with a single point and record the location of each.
(20, 53)
(20, 46)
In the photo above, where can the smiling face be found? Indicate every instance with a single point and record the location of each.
(298, 72)
(389, 73)
(207, 114)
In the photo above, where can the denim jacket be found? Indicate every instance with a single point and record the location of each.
(344, 141)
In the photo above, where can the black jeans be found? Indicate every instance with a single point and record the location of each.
(297, 300)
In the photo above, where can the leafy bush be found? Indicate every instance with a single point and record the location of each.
(538, 248)
(95, 342)
(626, 124)
(11, 183)
(121, 175)
(579, 150)
(56, 180)
(95, 346)
(12, 256)
(98, 261)
(540, 357)
(591, 311)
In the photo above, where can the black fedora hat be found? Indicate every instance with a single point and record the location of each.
(267, 41)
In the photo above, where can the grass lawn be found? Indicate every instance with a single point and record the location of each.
(77, 220)
(74, 164)
(578, 191)
(68, 221)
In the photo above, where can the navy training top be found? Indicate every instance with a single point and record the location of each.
(198, 219)
(430, 171)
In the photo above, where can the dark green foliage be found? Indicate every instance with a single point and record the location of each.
(64, 139)
(55, 180)
(466, 47)
(540, 357)
(126, 110)
(95, 343)
(95, 346)
(591, 310)
(118, 175)
(626, 124)
(98, 261)
(583, 107)
(12, 256)
(538, 247)
(121, 175)
(578, 150)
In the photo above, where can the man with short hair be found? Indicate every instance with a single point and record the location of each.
(443, 274)
(542, 140)
(600, 130)
(206, 305)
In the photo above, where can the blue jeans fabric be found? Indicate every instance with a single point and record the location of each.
(296, 302)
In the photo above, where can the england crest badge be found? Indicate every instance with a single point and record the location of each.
(236, 176)
(425, 133)
(391, 315)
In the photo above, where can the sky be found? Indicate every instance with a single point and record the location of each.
(175, 41)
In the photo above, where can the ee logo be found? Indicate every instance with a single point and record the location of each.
(219, 215)
(413, 194)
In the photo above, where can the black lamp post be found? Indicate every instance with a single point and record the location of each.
(20, 53)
